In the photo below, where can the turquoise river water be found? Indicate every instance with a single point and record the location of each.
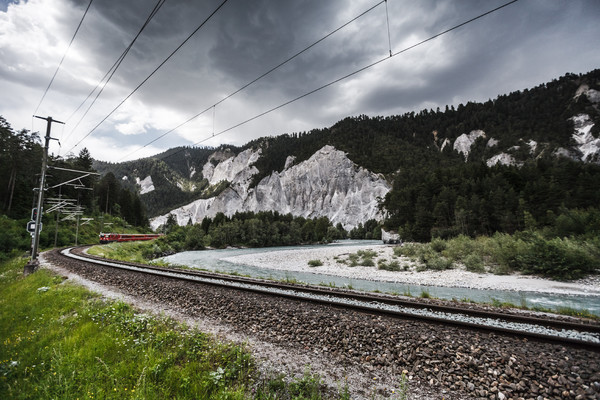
(212, 260)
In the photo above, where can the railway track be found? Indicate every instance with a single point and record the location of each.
(580, 334)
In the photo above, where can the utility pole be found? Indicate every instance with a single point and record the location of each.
(34, 263)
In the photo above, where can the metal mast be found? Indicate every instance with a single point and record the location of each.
(33, 264)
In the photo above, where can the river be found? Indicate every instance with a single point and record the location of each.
(215, 260)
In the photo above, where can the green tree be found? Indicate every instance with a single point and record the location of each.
(20, 161)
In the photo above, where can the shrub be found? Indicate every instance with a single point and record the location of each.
(434, 261)
(459, 247)
(367, 262)
(408, 250)
(474, 263)
(367, 257)
(366, 253)
(391, 266)
(438, 245)
(353, 259)
(315, 263)
(440, 263)
(556, 258)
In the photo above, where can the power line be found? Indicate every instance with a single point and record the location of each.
(153, 72)
(257, 79)
(387, 20)
(63, 57)
(346, 76)
(109, 74)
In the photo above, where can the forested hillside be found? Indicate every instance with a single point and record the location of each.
(439, 188)
(436, 192)
(387, 144)
(177, 180)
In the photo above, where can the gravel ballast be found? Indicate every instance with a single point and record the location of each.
(367, 352)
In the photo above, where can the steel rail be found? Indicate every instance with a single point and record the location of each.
(263, 287)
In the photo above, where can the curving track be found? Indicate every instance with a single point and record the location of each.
(586, 335)
(341, 332)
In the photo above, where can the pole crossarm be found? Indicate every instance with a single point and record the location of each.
(71, 180)
(57, 206)
(73, 170)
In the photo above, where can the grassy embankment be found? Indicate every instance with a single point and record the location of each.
(15, 241)
(61, 341)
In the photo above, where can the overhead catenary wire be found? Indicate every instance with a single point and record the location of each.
(387, 20)
(346, 76)
(63, 57)
(109, 74)
(153, 72)
(281, 64)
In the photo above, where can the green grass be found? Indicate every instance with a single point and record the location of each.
(126, 251)
(61, 341)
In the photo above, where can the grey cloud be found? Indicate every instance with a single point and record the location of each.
(523, 45)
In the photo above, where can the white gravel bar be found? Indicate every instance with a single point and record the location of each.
(297, 260)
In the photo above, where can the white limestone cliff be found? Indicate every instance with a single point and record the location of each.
(327, 184)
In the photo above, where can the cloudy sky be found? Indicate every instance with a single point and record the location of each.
(520, 46)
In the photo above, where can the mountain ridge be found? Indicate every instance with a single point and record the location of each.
(555, 120)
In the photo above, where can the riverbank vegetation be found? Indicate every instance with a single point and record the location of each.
(245, 229)
(61, 341)
(529, 252)
(549, 253)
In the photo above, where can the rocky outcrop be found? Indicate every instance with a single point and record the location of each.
(463, 143)
(586, 144)
(328, 184)
(502, 159)
(146, 184)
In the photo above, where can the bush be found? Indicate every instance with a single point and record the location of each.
(391, 266)
(438, 245)
(434, 261)
(408, 250)
(315, 263)
(367, 262)
(474, 263)
(367, 257)
(459, 247)
(366, 253)
(353, 259)
(557, 258)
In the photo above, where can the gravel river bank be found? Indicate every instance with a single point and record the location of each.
(286, 263)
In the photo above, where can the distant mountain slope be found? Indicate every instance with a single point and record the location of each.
(554, 124)
(166, 180)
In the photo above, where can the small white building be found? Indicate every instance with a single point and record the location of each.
(391, 237)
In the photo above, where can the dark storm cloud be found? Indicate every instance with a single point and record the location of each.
(522, 45)
(519, 47)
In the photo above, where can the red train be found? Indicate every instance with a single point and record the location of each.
(126, 237)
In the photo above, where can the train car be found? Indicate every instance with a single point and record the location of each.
(126, 237)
